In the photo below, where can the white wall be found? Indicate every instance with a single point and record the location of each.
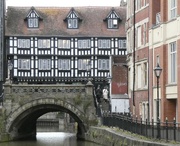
(120, 105)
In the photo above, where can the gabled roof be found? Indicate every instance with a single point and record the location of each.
(53, 23)
(112, 12)
(72, 11)
(30, 11)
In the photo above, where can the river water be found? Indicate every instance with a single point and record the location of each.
(51, 139)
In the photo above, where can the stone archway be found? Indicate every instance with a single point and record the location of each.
(21, 123)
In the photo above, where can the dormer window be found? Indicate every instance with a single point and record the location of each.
(112, 20)
(33, 19)
(72, 23)
(72, 19)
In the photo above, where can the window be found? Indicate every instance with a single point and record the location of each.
(84, 43)
(112, 23)
(72, 19)
(139, 77)
(173, 62)
(122, 44)
(173, 8)
(23, 43)
(64, 64)
(23, 64)
(63, 43)
(112, 19)
(44, 64)
(104, 43)
(33, 20)
(73, 23)
(138, 4)
(139, 36)
(145, 33)
(82, 64)
(145, 74)
(44, 43)
(103, 64)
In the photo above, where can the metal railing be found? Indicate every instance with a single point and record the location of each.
(167, 130)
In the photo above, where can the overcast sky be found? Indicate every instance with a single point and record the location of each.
(63, 3)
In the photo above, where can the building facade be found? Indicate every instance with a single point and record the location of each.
(64, 45)
(164, 43)
(161, 47)
(138, 57)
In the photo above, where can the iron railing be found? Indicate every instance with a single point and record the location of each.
(168, 131)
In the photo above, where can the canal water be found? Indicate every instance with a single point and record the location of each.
(51, 139)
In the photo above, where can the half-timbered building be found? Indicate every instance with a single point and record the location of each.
(58, 44)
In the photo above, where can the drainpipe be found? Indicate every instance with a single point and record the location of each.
(134, 55)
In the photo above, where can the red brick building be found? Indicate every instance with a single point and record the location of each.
(156, 42)
(137, 48)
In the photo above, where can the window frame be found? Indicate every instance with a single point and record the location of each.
(42, 62)
(104, 43)
(44, 43)
(173, 62)
(84, 43)
(24, 43)
(24, 64)
(103, 64)
(64, 64)
(33, 20)
(122, 44)
(172, 9)
(82, 64)
(64, 43)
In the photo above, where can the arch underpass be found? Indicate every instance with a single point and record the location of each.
(21, 115)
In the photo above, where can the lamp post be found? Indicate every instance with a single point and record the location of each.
(157, 71)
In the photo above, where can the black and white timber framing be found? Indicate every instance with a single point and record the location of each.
(63, 58)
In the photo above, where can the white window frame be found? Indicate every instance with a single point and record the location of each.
(113, 23)
(139, 76)
(103, 64)
(23, 43)
(82, 64)
(33, 20)
(139, 36)
(145, 74)
(173, 62)
(104, 43)
(63, 64)
(72, 23)
(24, 64)
(85, 43)
(122, 44)
(173, 8)
(44, 64)
(44, 43)
(64, 43)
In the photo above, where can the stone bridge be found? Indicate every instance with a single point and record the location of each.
(25, 103)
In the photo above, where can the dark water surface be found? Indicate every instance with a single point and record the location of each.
(51, 139)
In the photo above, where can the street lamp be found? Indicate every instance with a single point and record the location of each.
(157, 71)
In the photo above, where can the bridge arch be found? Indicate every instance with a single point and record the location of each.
(21, 123)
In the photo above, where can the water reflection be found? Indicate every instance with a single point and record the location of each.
(51, 139)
